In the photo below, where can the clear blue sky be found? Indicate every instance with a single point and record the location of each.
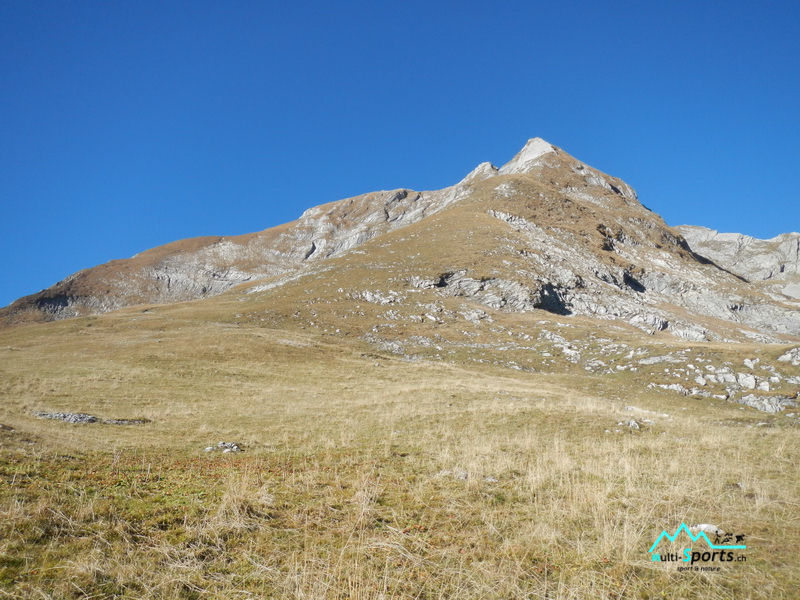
(125, 125)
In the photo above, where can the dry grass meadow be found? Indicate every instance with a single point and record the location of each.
(364, 476)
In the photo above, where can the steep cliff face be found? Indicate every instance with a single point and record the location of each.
(543, 232)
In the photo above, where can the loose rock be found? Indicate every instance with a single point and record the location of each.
(706, 528)
(769, 404)
(80, 418)
(225, 447)
(68, 417)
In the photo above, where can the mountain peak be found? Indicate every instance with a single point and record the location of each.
(533, 149)
(481, 172)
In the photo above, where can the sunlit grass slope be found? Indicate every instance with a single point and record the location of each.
(364, 475)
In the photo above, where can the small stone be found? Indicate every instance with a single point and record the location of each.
(706, 528)
(125, 421)
(746, 380)
(226, 447)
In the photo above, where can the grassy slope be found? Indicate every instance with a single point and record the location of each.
(340, 493)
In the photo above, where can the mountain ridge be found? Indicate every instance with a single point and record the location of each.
(81, 292)
(563, 235)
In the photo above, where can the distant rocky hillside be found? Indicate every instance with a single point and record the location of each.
(775, 261)
(544, 232)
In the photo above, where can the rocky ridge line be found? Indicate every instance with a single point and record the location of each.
(565, 239)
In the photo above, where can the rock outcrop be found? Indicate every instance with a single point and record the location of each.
(775, 261)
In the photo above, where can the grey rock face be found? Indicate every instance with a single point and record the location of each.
(769, 404)
(566, 278)
(497, 293)
(776, 260)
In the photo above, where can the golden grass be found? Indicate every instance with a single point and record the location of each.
(352, 484)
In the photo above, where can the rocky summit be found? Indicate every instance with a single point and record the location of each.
(544, 232)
